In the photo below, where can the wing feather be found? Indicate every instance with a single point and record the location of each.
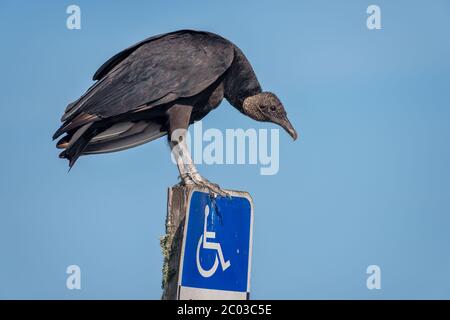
(179, 64)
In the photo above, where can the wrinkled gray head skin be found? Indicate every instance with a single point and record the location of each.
(266, 106)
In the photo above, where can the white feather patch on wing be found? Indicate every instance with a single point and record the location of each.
(113, 131)
(129, 139)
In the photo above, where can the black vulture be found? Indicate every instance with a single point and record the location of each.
(160, 86)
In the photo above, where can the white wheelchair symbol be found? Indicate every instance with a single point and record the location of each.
(203, 242)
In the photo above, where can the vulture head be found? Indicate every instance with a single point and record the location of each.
(266, 106)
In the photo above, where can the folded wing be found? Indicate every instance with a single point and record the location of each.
(155, 71)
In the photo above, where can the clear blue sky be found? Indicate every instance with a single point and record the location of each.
(367, 183)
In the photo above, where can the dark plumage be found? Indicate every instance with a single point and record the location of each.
(160, 84)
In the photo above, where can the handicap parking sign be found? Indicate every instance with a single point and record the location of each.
(217, 245)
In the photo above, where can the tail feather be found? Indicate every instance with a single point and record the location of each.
(79, 121)
(77, 146)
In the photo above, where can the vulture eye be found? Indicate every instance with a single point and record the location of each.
(273, 108)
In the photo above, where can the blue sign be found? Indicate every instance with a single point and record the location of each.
(217, 243)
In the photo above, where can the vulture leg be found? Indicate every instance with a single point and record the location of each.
(188, 172)
(178, 123)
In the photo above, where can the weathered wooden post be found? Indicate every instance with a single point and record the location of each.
(208, 244)
(171, 241)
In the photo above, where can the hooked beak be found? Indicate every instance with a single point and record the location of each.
(286, 125)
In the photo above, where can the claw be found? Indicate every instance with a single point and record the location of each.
(215, 189)
(196, 179)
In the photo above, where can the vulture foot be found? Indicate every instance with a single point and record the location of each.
(198, 180)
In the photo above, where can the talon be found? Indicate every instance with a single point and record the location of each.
(214, 188)
(186, 179)
(196, 179)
